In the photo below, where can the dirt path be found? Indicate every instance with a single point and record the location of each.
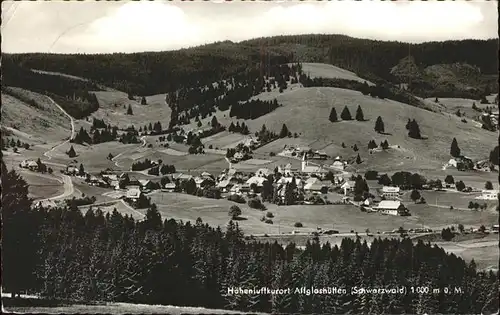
(117, 164)
(66, 180)
(72, 129)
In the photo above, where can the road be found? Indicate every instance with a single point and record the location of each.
(72, 129)
(66, 180)
(143, 139)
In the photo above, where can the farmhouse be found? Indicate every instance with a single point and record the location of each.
(225, 185)
(146, 185)
(348, 186)
(392, 207)
(488, 195)
(316, 187)
(391, 193)
(170, 187)
(133, 194)
(202, 182)
(29, 164)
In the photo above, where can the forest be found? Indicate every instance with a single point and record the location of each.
(62, 253)
(151, 73)
(72, 95)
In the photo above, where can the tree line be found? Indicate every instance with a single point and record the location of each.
(63, 253)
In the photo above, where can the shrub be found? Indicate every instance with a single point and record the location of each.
(272, 154)
(234, 212)
(256, 204)
(298, 225)
(269, 221)
(270, 215)
(236, 198)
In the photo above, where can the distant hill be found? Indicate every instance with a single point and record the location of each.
(151, 73)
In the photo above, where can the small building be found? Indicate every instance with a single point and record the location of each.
(263, 172)
(348, 186)
(147, 185)
(133, 194)
(225, 185)
(391, 193)
(202, 182)
(316, 187)
(392, 207)
(170, 187)
(259, 181)
(488, 195)
(29, 164)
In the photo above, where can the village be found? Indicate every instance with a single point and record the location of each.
(313, 183)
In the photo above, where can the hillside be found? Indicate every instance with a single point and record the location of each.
(305, 111)
(33, 114)
(158, 72)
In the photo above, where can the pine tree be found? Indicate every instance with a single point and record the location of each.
(358, 159)
(408, 124)
(333, 115)
(129, 110)
(414, 131)
(346, 115)
(359, 114)
(71, 153)
(379, 125)
(214, 123)
(284, 131)
(454, 150)
(143, 101)
(19, 234)
(81, 170)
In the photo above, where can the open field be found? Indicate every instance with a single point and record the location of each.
(323, 70)
(42, 185)
(306, 110)
(457, 200)
(224, 140)
(39, 124)
(340, 217)
(155, 110)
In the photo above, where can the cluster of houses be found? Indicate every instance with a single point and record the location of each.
(296, 151)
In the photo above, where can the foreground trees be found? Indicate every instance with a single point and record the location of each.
(115, 258)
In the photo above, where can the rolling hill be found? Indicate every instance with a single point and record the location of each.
(151, 73)
(33, 115)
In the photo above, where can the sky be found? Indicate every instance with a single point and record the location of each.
(105, 27)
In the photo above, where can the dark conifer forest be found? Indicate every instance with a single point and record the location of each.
(159, 72)
(64, 254)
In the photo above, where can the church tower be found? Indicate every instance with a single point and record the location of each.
(304, 162)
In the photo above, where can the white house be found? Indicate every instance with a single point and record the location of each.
(390, 193)
(391, 207)
(259, 181)
(347, 186)
(170, 187)
(133, 193)
(488, 195)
